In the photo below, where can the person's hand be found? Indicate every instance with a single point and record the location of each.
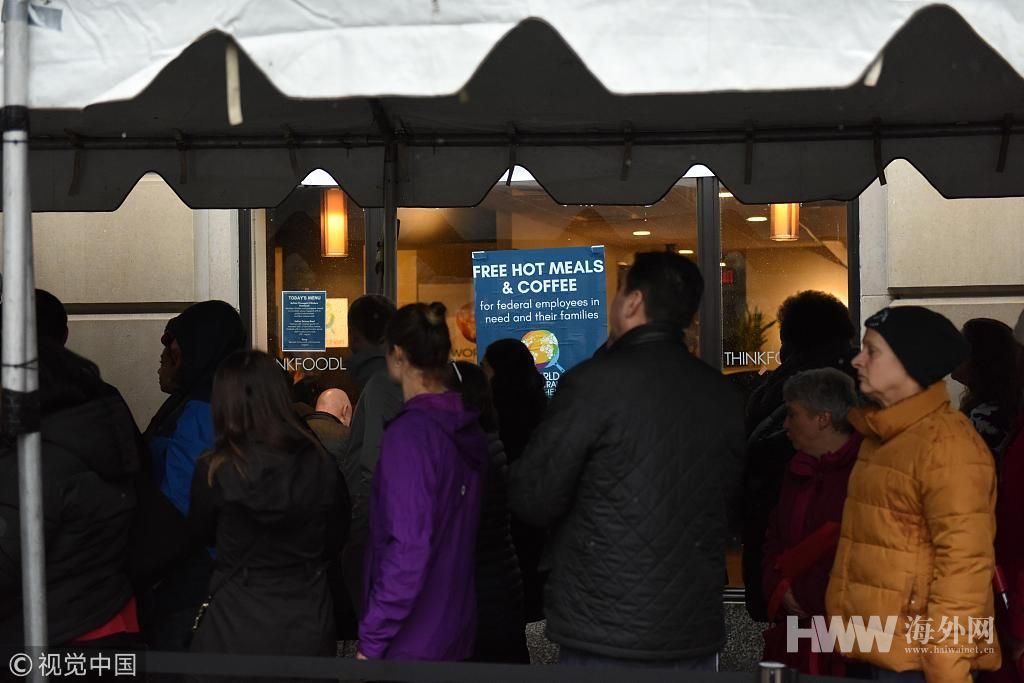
(791, 606)
(360, 656)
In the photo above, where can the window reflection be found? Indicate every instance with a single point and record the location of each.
(435, 245)
(765, 261)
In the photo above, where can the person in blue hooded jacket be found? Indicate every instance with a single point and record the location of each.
(195, 342)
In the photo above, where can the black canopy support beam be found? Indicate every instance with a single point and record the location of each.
(868, 132)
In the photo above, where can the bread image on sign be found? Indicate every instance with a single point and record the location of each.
(465, 319)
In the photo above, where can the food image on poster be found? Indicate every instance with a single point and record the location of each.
(337, 323)
(553, 300)
(454, 297)
(465, 318)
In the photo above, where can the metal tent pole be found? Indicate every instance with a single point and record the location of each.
(20, 372)
(390, 241)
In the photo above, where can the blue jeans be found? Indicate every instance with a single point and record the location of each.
(572, 657)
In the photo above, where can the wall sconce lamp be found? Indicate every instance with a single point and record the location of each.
(333, 223)
(785, 222)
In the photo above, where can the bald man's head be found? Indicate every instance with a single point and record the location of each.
(336, 403)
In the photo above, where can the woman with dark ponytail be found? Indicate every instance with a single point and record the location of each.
(424, 508)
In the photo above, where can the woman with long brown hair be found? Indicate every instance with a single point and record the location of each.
(273, 501)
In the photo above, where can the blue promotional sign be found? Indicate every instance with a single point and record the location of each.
(553, 300)
(303, 321)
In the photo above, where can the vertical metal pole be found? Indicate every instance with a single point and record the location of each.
(709, 249)
(853, 262)
(245, 272)
(374, 250)
(390, 284)
(20, 372)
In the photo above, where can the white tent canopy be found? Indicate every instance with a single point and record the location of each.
(603, 102)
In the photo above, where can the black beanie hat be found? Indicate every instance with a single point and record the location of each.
(928, 345)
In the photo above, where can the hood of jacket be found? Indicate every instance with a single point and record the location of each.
(101, 433)
(461, 424)
(271, 482)
(366, 363)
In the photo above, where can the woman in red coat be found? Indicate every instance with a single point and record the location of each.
(803, 530)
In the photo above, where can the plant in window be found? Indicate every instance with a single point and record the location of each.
(750, 331)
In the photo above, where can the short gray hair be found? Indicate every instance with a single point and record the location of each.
(826, 390)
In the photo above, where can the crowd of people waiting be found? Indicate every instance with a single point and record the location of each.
(436, 507)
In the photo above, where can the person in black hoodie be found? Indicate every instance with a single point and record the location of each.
(816, 332)
(517, 389)
(273, 501)
(90, 458)
(501, 622)
(195, 343)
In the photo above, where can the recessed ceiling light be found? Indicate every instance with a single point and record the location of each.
(643, 233)
(757, 219)
(724, 194)
(686, 252)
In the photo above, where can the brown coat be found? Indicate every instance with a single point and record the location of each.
(917, 534)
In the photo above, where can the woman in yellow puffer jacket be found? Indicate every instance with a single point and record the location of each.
(916, 547)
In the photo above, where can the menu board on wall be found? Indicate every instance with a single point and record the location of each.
(553, 300)
(303, 321)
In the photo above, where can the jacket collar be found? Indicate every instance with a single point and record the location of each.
(367, 355)
(320, 415)
(885, 423)
(647, 334)
(805, 465)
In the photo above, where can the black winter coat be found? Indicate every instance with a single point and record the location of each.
(90, 456)
(501, 621)
(632, 468)
(279, 524)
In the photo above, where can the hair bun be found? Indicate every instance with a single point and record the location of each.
(436, 313)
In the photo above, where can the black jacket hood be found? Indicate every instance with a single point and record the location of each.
(101, 433)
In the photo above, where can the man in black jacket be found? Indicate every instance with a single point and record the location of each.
(632, 469)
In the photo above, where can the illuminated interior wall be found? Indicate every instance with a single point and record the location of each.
(773, 275)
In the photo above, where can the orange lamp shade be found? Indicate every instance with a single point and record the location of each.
(333, 223)
(785, 222)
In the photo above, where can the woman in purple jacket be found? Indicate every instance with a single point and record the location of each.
(424, 508)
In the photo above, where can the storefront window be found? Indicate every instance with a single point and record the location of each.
(315, 242)
(770, 252)
(435, 246)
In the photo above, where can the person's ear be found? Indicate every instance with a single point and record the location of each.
(634, 304)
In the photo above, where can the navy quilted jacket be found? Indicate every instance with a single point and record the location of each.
(632, 469)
